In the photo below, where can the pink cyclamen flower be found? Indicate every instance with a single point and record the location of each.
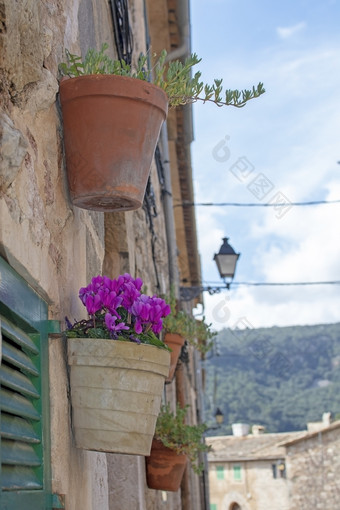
(93, 304)
(111, 325)
(110, 300)
(106, 298)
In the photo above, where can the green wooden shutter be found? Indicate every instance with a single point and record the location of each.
(220, 472)
(25, 441)
(237, 473)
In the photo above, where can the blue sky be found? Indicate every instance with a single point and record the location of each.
(286, 143)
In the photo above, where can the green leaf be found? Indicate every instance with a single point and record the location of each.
(174, 77)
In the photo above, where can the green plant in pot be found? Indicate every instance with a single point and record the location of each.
(204, 336)
(178, 326)
(117, 109)
(118, 366)
(175, 77)
(174, 444)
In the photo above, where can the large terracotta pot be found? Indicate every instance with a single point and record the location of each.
(116, 390)
(164, 468)
(111, 128)
(175, 342)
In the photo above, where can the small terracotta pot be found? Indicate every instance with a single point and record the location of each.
(111, 128)
(175, 342)
(164, 468)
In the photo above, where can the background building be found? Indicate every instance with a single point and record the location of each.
(283, 471)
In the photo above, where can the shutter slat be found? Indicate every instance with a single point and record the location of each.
(18, 336)
(16, 452)
(14, 478)
(18, 382)
(16, 404)
(15, 428)
(18, 358)
(25, 463)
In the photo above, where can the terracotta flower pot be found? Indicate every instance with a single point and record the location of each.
(111, 128)
(116, 391)
(175, 342)
(164, 468)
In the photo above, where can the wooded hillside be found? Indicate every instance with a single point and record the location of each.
(281, 378)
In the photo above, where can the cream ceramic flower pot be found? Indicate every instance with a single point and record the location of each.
(116, 390)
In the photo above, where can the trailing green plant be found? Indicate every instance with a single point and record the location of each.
(175, 434)
(197, 332)
(204, 336)
(174, 77)
(179, 321)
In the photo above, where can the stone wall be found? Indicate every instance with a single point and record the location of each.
(313, 467)
(56, 247)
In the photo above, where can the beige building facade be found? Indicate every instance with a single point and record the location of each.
(50, 248)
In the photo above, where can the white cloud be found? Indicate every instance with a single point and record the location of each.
(287, 32)
(266, 306)
(290, 135)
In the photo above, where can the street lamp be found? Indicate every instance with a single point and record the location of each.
(226, 260)
(219, 417)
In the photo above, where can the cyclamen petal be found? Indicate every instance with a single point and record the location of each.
(97, 282)
(157, 328)
(138, 327)
(155, 313)
(93, 304)
(83, 292)
(109, 321)
(111, 325)
(166, 310)
(120, 326)
(138, 283)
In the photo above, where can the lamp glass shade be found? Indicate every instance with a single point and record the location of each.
(219, 416)
(226, 260)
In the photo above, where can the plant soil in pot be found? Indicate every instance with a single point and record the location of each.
(111, 128)
(164, 467)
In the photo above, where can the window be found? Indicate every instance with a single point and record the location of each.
(24, 452)
(279, 469)
(237, 473)
(274, 469)
(281, 466)
(220, 472)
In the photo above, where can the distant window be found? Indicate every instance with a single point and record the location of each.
(220, 472)
(274, 469)
(282, 469)
(237, 473)
(279, 469)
